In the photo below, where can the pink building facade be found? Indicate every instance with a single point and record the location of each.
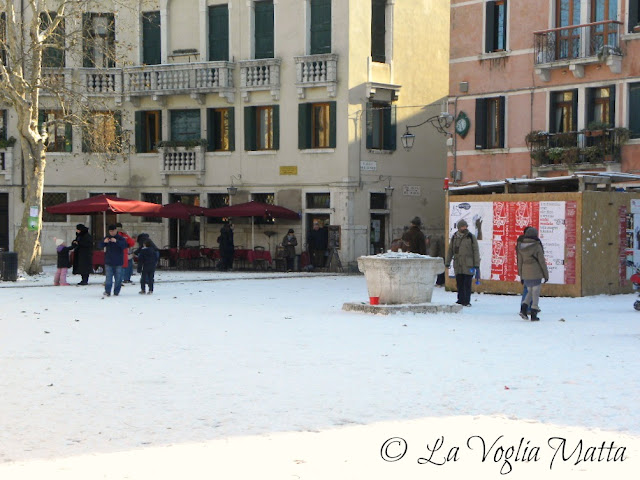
(544, 87)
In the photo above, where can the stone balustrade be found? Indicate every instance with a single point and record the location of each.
(101, 81)
(182, 161)
(260, 75)
(317, 71)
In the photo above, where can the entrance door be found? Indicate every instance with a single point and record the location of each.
(4, 221)
(378, 233)
(184, 232)
(100, 221)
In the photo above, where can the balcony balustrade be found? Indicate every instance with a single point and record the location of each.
(576, 46)
(101, 81)
(182, 161)
(56, 80)
(317, 71)
(260, 75)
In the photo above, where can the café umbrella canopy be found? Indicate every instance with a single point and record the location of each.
(178, 210)
(253, 209)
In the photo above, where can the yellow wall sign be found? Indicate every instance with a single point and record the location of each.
(290, 170)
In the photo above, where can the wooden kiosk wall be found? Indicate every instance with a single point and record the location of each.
(597, 242)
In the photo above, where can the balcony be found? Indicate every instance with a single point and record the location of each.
(584, 150)
(317, 71)
(6, 161)
(576, 46)
(182, 160)
(56, 80)
(260, 75)
(195, 79)
(101, 81)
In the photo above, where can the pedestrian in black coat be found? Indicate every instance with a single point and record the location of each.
(83, 253)
(225, 241)
(147, 261)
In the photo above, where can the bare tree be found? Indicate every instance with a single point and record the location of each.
(34, 41)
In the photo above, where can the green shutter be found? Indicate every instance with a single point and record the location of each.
(304, 126)
(185, 125)
(232, 129)
(68, 137)
(276, 127)
(378, 30)
(211, 125)
(369, 126)
(41, 120)
(634, 109)
(151, 53)
(574, 111)
(612, 105)
(332, 125)
(140, 131)
(264, 29)
(249, 128)
(219, 33)
(501, 121)
(481, 123)
(634, 18)
(390, 129)
(320, 26)
(117, 118)
(589, 100)
(490, 31)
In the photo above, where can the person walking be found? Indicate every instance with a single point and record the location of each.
(63, 264)
(147, 261)
(289, 243)
(465, 254)
(114, 246)
(83, 254)
(415, 238)
(225, 241)
(532, 268)
(524, 287)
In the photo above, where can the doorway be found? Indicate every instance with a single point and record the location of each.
(184, 232)
(378, 233)
(4, 221)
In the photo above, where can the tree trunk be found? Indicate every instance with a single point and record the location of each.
(27, 243)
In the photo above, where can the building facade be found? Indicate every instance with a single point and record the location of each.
(544, 88)
(294, 102)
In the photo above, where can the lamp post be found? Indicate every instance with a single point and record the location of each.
(440, 122)
(232, 190)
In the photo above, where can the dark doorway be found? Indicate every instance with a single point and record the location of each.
(4, 221)
(185, 232)
(378, 233)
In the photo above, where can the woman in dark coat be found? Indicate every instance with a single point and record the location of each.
(83, 253)
(225, 240)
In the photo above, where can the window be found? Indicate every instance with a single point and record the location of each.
(185, 125)
(59, 131)
(318, 200)
(317, 125)
(3, 38)
(634, 15)
(634, 109)
(151, 53)
(48, 200)
(496, 32)
(490, 121)
(264, 43)
(220, 129)
(378, 34)
(378, 201)
(262, 128)
(102, 133)
(152, 198)
(604, 33)
(217, 200)
(99, 40)
(148, 130)
(263, 198)
(219, 32)
(568, 41)
(601, 104)
(564, 112)
(320, 27)
(381, 126)
(53, 55)
(3, 124)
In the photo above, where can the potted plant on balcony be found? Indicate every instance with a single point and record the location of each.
(555, 155)
(596, 129)
(591, 154)
(536, 139)
(7, 142)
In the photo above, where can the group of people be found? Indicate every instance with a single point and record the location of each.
(118, 259)
(464, 253)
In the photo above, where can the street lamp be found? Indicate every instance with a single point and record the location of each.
(440, 122)
(232, 190)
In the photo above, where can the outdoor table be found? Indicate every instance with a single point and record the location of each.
(263, 255)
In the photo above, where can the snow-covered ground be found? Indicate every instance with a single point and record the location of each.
(254, 375)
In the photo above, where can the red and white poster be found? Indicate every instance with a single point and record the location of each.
(497, 225)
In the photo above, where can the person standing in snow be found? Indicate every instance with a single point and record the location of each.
(63, 264)
(225, 241)
(465, 254)
(147, 261)
(524, 287)
(114, 245)
(436, 249)
(415, 238)
(83, 253)
(532, 268)
(289, 243)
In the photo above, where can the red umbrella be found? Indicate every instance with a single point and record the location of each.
(178, 210)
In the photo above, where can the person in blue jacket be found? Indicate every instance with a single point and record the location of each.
(114, 246)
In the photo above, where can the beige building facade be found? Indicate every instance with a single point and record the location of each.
(300, 103)
(544, 88)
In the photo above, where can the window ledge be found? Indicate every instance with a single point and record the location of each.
(377, 151)
(221, 153)
(493, 150)
(318, 150)
(262, 152)
(499, 54)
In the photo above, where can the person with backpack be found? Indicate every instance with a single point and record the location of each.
(465, 254)
(532, 268)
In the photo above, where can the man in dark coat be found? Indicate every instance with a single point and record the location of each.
(83, 254)
(415, 238)
(317, 240)
(225, 241)
(147, 261)
(114, 245)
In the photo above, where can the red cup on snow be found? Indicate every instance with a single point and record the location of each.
(374, 300)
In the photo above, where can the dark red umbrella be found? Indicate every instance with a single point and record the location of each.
(104, 203)
(178, 210)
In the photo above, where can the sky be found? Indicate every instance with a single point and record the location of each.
(263, 375)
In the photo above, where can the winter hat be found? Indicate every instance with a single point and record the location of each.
(112, 227)
(290, 230)
(118, 225)
(531, 233)
(80, 227)
(462, 223)
(59, 242)
(416, 221)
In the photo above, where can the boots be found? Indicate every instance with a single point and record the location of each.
(534, 315)
(523, 311)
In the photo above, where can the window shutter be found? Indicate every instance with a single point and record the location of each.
(219, 33)
(140, 131)
(332, 125)
(612, 105)
(502, 121)
(276, 127)
(249, 128)
(634, 18)
(41, 120)
(3, 130)
(68, 137)
(111, 40)
(117, 118)
(369, 141)
(304, 126)
(490, 32)
(481, 123)
(553, 127)
(378, 30)
(589, 100)
(320, 26)
(634, 109)
(389, 128)
(87, 42)
(151, 54)
(264, 29)
(211, 129)
(232, 129)
(574, 111)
